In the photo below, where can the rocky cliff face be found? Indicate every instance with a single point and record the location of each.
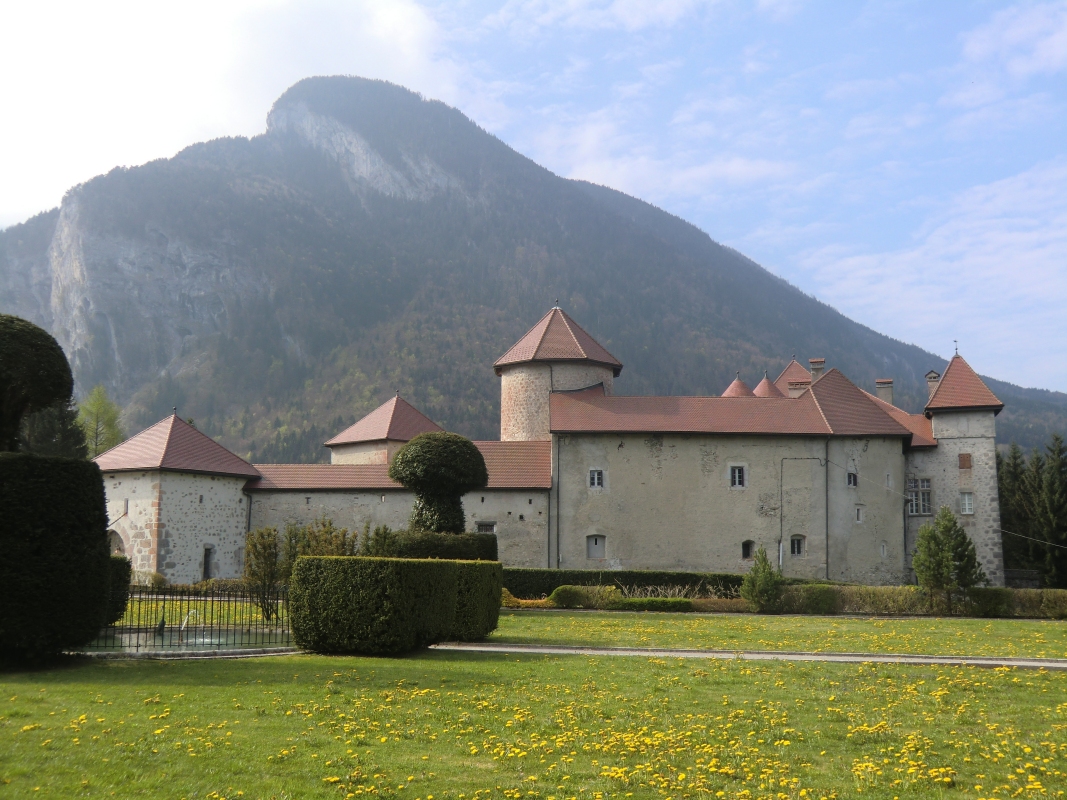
(276, 288)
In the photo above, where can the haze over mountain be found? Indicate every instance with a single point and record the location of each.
(277, 288)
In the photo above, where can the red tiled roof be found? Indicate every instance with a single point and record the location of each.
(511, 465)
(394, 419)
(594, 412)
(738, 388)
(960, 387)
(557, 337)
(849, 410)
(794, 373)
(767, 389)
(922, 430)
(175, 445)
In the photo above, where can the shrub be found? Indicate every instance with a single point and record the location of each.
(652, 604)
(1054, 603)
(424, 544)
(990, 602)
(120, 570)
(55, 569)
(536, 583)
(478, 591)
(439, 468)
(722, 605)
(263, 574)
(762, 585)
(945, 560)
(34, 374)
(813, 598)
(371, 605)
(508, 600)
(585, 596)
(888, 600)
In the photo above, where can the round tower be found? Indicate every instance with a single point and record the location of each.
(555, 355)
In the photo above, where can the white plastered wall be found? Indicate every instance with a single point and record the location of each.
(381, 452)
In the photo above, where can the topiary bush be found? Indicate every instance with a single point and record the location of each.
(585, 596)
(424, 544)
(762, 585)
(813, 598)
(439, 468)
(34, 374)
(347, 604)
(478, 593)
(120, 571)
(54, 576)
(531, 584)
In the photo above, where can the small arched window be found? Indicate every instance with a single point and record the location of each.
(115, 543)
(748, 549)
(595, 546)
(796, 546)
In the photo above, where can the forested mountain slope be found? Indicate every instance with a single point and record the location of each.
(277, 288)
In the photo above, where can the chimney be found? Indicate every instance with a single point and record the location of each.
(932, 381)
(817, 366)
(883, 387)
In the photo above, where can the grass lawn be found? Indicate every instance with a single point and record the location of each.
(923, 635)
(469, 726)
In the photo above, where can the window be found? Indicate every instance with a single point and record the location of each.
(796, 546)
(965, 460)
(885, 549)
(209, 554)
(920, 496)
(859, 514)
(522, 517)
(853, 479)
(966, 502)
(126, 506)
(486, 527)
(747, 549)
(737, 477)
(596, 479)
(595, 546)
(201, 499)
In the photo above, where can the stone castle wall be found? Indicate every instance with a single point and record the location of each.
(524, 393)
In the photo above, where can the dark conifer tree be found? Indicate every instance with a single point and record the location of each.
(54, 431)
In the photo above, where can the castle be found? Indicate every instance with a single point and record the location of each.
(833, 481)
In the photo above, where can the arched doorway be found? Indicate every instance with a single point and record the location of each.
(115, 543)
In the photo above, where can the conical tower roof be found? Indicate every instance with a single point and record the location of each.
(394, 419)
(174, 445)
(960, 388)
(557, 337)
(738, 388)
(765, 388)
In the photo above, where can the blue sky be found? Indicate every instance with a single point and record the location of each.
(906, 162)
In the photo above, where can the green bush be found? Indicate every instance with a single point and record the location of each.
(439, 468)
(424, 544)
(346, 604)
(762, 585)
(119, 573)
(813, 598)
(652, 604)
(532, 584)
(1054, 603)
(990, 602)
(602, 597)
(54, 575)
(478, 594)
(888, 600)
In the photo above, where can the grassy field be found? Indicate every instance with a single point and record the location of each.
(923, 635)
(466, 727)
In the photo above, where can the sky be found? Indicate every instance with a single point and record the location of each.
(905, 162)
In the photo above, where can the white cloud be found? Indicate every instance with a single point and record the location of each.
(989, 271)
(627, 15)
(1025, 39)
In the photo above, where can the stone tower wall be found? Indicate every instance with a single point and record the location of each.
(963, 433)
(524, 391)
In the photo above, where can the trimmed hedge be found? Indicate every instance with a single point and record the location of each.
(120, 571)
(456, 546)
(54, 573)
(653, 604)
(346, 604)
(479, 586)
(531, 584)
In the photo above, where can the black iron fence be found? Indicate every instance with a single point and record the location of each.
(186, 618)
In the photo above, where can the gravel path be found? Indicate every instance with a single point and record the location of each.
(759, 655)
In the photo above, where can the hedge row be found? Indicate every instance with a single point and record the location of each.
(911, 600)
(54, 575)
(345, 604)
(531, 584)
(120, 572)
(423, 544)
(609, 598)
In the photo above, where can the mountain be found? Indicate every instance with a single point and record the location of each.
(277, 288)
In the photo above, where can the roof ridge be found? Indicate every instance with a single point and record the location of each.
(544, 330)
(569, 322)
(818, 407)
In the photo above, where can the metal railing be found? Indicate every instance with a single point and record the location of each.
(187, 618)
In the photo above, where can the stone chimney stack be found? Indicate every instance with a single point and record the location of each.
(883, 387)
(817, 367)
(932, 381)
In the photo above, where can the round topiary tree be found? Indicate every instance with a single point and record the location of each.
(34, 374)
(439, 468)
